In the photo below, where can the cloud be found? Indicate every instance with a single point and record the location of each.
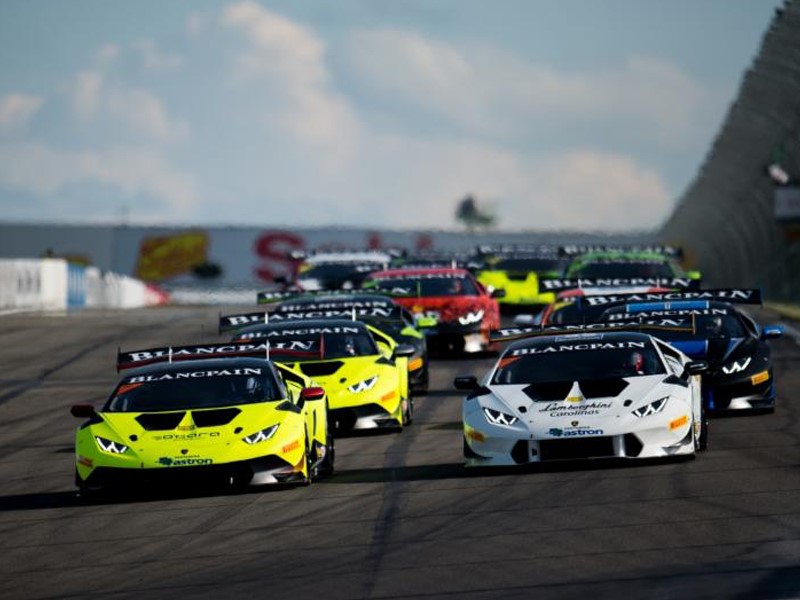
(46, 171)
(17, 109)
(289, 59)
(93, 97)
(487, 90)
(154, 58)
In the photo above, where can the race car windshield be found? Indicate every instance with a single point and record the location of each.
(623, 270)
(199, 389)
(528, 264)
(578, 365)
(440, 286)
(338, 272)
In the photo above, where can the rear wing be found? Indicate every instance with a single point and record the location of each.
(268, 297)
(266, 349)
(683, 283)
(732, 295)
(578, 249)
(234, 322)
(528, 250)
(641, 325)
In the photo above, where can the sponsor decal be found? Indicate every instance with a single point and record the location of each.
(564, 284)
(574, 432)
(579, 347)
(192, 375)
(291, 446)
(421, 276)
(164, 257)
(475, 435)
(685, 312)
(733, 295)
(166, 461)
(190, 427)
(558, 409)
(759, 377)
(342, 313)
(679, 422)
(187, 436)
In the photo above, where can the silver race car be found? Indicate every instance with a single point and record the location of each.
(580, 392)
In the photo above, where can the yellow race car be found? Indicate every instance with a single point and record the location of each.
(212, 413)
(363, 370)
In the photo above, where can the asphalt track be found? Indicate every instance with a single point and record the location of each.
(401, 518)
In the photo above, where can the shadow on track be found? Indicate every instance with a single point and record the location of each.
(459, 471)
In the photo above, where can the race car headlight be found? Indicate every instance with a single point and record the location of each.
(260, 436)
(737, 366)
(471, 317)
(652, 408)
(110, 446)
(498, 418)
(363, 386)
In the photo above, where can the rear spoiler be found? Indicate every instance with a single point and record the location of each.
(519, 333)
(543, 250)
(233, 322)
(578, 249)
(267, 297)
(557, 285)
(266, 349)
(732, 295)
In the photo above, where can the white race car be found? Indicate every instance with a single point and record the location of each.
(609, 394)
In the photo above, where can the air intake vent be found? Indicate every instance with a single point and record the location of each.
(321, 369)
(601, 388)
(548, 391)
(160, 421)
(214, 417)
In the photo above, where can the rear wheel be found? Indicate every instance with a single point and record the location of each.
(325, 468)
(702, 442)
(408, 413)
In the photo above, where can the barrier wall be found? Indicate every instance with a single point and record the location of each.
(55, 284)
(726, 219)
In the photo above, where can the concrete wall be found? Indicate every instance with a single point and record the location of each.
(726, 219)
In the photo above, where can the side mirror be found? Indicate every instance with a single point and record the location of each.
(82, 411)
(312, 393)
(404, 350)
(695, 367)
(467, 384)
(499, 293)
(771, 332)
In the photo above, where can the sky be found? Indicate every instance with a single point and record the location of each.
(552, 114)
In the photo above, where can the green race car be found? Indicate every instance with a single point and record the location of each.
(626, 263)
(206, 414)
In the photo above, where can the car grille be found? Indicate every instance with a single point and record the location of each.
(589, 447)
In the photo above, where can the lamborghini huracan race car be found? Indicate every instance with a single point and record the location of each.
(740, 375)
(379, 311)
(210, 413)
(363, 370)
(568, 393)
(517, 270)
(453, 309)
(631, 262)
(339, 270)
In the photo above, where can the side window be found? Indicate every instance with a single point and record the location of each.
(672, 358)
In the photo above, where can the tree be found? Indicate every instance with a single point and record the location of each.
(468, 213)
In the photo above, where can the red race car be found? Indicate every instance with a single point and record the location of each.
(453, 309)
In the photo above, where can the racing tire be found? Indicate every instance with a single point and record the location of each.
(702, 443)
(309, 464)
(326, 467)
(408, 413)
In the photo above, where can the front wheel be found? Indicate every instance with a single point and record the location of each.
(325, 468)
(408, 413)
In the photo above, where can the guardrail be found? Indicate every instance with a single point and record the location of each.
(55, 284)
